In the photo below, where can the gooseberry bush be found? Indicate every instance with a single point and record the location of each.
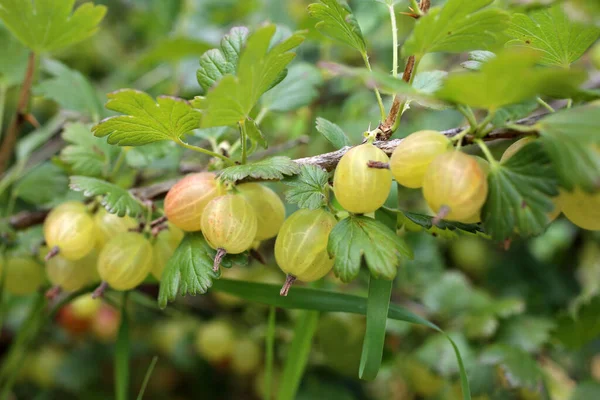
(170, 192)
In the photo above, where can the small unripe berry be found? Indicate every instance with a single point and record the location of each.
(71, 229)
(269, 209)
(22, 275)
(72, 275)
(109, 225)
(215, 341)
(125, 261)
(581, 208)
(163, 248)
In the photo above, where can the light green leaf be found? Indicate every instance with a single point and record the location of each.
(13, 62)
(42, 184)
(520, 194)
(232, 99)
(458, 26)
(337, 21)
(190, 269)
(526, 332)
(86, 154)
(510, 78)
(549, 30)
(269, 168)
(577, 330)
(358, 237)
(216, 63)
(144, 156)
(309, 188)
(39, 137)
(333, 133)
(513, 112)
(436, 354)
(518, 368)
(48, 25)
(116, 200)
(446, 229)
(146, 121)
(298, 89)
(255, 134)
(427, 83)
(173, 49)
(477, 58)
(70, 89)
(570, 137)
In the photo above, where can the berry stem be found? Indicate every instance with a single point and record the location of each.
(443, 213)
(52, 253)
(289, 281)
(53, 292)
(218, 258)
(99, 291)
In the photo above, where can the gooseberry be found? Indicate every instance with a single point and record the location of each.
(71, 230)
(215, 340)
(125, 260)
(581, 208)
(72, 275)
(269, 209)
(22, 275)
(163, 248)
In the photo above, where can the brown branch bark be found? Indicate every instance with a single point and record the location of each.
(10, 140)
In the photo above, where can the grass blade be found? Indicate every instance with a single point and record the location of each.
(298, 354)
(269, 347)
(122, 354)
(147, 377)
(378, 304)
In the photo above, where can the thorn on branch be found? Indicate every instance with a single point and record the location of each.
(53, 292)
(258, 256)
(378, 164)
(99, 291)
(52, 253)
(158, 221)
(221, 253)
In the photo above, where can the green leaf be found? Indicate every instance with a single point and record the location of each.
(510, 78)
(254, 133)
(70, 89)
(520, 194)
(477, 58)
(190, 269)
(570, 137)
(86, 154)
(517, 367)
(146, 121)
(577, 330)
(378, 304)
(48, 25)
(434, 352)
(173, 49)
(549, 30)
(447, 229)
(309, 188)
(233, 97)
(122, 350)
(13, 62)
(337, 21)
(297, 90)
(116, 200)
(513, 112)
(358, 236)
(27, 145)
(42, 185)
(333, 133)
(458, 26)
(427, 83)
(144, 156)
(297, 356)
(269, 168)
(216, 63)
(327, 301)
(526, 332)
(586, 390)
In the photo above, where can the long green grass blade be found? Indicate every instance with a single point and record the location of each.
(147, 377)
(269, 353)
(297, 358)
(378, 304)
(122, 354)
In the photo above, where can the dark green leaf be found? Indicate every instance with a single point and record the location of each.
(297, 356)
(577, 330)
(48, 25)
(189, 271)
(569, 137)
(260, 67)
(460, 25)
(13, 62)
(146, 121)
(477, 58)
(116, 200)
(550, 31)
(378, 304)
(513, 112)
(216, 63)
(255, 134)
(173, 49)
(144, 156)
(42, 185)
(269, 168)
(70, 89)
(510, 78)
(309, 188)
(333, 133)
(337, 21)
(358, 237)
(448, 229)
(87, 155)
(298, 89)
(518, 368)
(122, 350)
(520, 194)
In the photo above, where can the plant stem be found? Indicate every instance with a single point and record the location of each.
(204, 151)
(545, 105)
(482, 130)
(486, 152)
(469, 115)
(261, 115)
(410, 80)
(569, 103)
(10, 140)
(243, 141)
(377, 94)
(147, 377)
(269, 347)
(394, 41)
(3, 90)
(415, 6)
(118, 164)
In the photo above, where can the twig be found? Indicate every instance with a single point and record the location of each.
(10, 140)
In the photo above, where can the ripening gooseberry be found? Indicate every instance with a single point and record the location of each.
(357, 187)
(413, 155)
(301, 246)
(229, 225)
(215, 340)
(455, 185)
(22, 275)
(125, 261)
(163, 248)
(71, 229)
(270, 211)
(109, 225)
(581, 208)
(72, 275)
(246, 356)
(186, 200)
